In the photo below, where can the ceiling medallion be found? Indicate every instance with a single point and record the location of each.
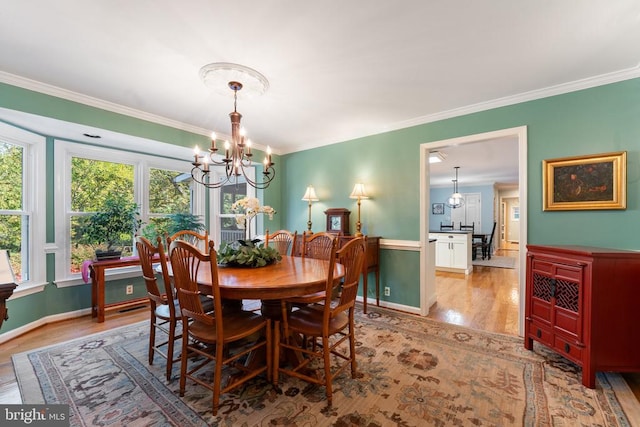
(217, 76)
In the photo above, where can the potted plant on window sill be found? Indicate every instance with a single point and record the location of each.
(172, 224)
(112, 228)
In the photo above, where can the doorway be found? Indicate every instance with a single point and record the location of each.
(509, 223)
(519, 136)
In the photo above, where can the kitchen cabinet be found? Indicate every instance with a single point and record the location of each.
(453, 251)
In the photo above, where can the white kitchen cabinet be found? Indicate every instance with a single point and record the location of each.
(453, 251)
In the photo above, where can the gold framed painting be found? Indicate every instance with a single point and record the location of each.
(591, 182)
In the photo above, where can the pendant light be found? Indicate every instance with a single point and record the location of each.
(456, 200)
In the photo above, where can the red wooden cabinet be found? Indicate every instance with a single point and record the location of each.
(582, 302)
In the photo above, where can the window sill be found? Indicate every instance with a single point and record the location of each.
(112, 274)
(27, 289)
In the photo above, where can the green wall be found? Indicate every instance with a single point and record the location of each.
(597, 120)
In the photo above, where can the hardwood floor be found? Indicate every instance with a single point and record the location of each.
(487, 300)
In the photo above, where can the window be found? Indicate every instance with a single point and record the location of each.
(159, 186)
(169, 192)
(22, 207)
(223, 220)
(228, 195)
(92, 182)
(14, 220)
(515, 213)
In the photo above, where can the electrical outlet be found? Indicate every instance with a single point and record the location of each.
(387, 291)
(129, 289)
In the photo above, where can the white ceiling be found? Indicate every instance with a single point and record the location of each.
(336, 69)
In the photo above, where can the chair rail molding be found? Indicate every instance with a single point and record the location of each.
(400, 245)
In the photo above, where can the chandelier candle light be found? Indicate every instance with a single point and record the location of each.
(310, 196)
(358, 193)
(237, 155)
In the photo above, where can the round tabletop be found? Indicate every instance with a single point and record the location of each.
(292, 276)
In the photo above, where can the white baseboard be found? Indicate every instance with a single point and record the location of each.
(41, 322)
(371, 302)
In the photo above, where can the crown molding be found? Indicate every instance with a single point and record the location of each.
(80, 98)
(90, 101)
(586, 83)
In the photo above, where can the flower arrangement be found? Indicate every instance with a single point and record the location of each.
(251, 207)
(249, 252)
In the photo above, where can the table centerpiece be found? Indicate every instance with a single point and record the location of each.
(248, 252)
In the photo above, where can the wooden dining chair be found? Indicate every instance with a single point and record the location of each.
(336, 318)
(464, 227)
(281, 240)
(446, 227)
(487, 245)
(298, 240)
(318, 246)
(163, 305)
(212, 334)
(193, 237)
(201, 241)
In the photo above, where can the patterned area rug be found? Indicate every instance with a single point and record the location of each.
(496, 261)
(412, 372)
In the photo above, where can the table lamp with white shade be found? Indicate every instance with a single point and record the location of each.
(310, 196)
(358, 193)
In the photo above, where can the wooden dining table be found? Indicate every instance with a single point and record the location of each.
(292, 276)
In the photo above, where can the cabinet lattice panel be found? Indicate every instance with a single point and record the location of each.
(567, 295)
(565, 292)
(542, 287)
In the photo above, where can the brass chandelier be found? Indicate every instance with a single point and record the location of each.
(237, 156)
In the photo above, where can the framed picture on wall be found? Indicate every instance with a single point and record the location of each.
(437, 208)
(585, 183)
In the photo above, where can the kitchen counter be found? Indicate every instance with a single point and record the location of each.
(453, 250)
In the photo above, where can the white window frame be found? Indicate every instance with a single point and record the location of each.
(197, 192)
(64, 152)
(34, 204)
(214, 203)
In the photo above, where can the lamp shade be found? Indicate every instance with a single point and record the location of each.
(358, 192)
(310, 195)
